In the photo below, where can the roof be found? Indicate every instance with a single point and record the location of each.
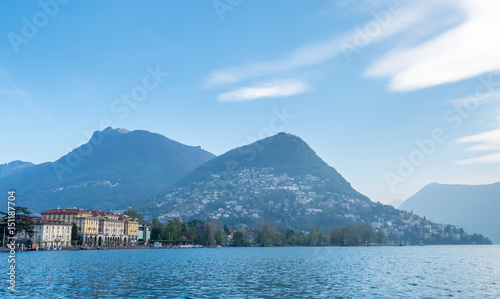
(66, 211)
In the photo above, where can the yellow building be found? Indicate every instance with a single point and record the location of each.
(111, 228)
(88, 226)
(131, 230)
(97, 227)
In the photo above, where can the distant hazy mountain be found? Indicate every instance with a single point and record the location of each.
(13, 167)
(115, 169)
(396, 203)
(474, 207)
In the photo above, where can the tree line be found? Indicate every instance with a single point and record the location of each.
(215, 233)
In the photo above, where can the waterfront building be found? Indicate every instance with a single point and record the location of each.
(97, 227)
(88, 226)
(51, 234)
(144, 234)
(131, 230)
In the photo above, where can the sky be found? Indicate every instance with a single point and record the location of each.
(393, 94)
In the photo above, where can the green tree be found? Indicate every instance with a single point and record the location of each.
(366, 233)
(156, 229)
(173, 230)
(239, 238)
(351, 235)
(211, 230)
(226, 230)
(74, 234)
(218, 237)
(267, 235)
(134, 214)
(336, 235)
(380, 237)
(23, 220)
(301, 238)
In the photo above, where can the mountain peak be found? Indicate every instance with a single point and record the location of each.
(284, 153)
(110, 130)
(13, 167)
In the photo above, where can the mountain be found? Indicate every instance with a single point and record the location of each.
(285, 153)
(475, 207)
(396, 203)
(281, 180)
(13, 167)
(115, 169)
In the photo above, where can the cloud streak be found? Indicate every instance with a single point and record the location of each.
(486, 141)
(305, 56)
(494, 158)
(465, 51)
(267, 90)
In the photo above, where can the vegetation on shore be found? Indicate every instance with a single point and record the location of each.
(215, 233)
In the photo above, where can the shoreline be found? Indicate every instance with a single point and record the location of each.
(200, 246)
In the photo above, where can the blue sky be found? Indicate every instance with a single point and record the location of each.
(393, 94)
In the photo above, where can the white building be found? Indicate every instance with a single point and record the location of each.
(51, 234)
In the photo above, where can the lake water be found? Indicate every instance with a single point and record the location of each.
(428, 271)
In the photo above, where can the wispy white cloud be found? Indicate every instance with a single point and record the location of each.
(305, 56)
(490, 137)
(480, 97)
(267, 90)
(467, 50)
(486, 141)
(421, 17)
(494, 158)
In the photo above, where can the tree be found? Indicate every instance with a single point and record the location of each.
(171, 232)
(156, 228)
(134, 214)
(301, 238)
(267, 235)
(23, 221)
(366, 234)
(336, 235)
(218, 237)
(380, 237)
(74, 234)
(351, 235)
(239, 238)
(226, 230)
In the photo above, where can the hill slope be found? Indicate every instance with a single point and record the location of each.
(115, 169)
(281, 180)
(285, 153)
(474, 207)
(13, 167)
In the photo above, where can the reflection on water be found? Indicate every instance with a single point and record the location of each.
(434, 271)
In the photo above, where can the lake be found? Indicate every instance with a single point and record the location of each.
(433, 271)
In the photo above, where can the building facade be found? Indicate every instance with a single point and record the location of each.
(97, 228)
(51, 234)
(144, 234)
